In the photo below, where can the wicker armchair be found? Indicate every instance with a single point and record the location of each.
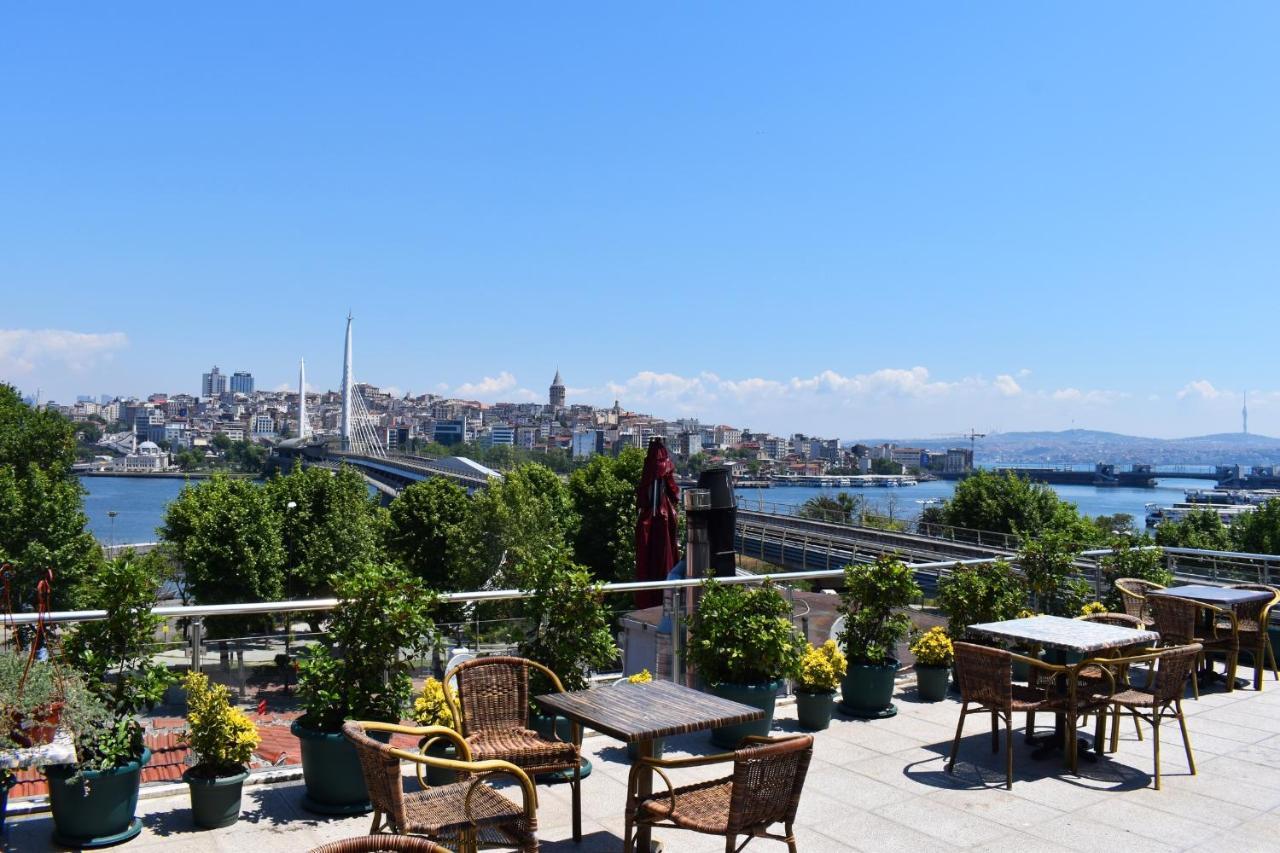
(467, 814)
(764, 789)
(381, 843)
(1253, 618)
(1119, 673)
(1178, 621)
(985, 677)
(493, 693)
(1133, 592)
(1161, 697)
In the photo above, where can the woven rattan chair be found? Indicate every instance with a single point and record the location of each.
(1133, 593)
(1162, 697)
(381, 843)
(1179, 622)
(764, 789)
(985, 677)
(467, 814)
(1253, 617)
(1119, 674)
(493, 693)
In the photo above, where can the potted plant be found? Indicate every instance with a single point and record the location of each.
(380, 622)
(633, 750)
(93, 802)
(742, 644)
(31, 699)
(934, 656)
(431, 708)
(570, 636)
(821, 670)
(871, 595)
(222, 739)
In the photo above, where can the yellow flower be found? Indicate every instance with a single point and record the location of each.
(821, 668)
(221, 735)
(641, 677)
(1093, 607)
(431, 708)
(933, 648)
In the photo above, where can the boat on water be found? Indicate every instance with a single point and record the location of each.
(1157, 514)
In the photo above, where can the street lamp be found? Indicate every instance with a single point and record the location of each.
(111, 541)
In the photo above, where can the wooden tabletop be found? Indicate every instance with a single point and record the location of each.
(1214, 594)
(1072, 635)
(642, 712)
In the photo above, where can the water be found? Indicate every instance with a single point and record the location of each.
(139, 502)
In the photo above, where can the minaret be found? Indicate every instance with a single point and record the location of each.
(347, 390)
(1244, 413)
(302, 398)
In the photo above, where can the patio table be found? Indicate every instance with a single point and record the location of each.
(642, 713)
(1063, 635)
(1217, 596)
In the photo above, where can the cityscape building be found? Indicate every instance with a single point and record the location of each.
(242, 382)
(213, 383)
(557, 392)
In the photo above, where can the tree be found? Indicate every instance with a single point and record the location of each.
(604, 497)
(987, 592)
(328, 523)
(1048, 564)
(570, 633)
(1127, 561)
(42, 521)
(839, 509)
(88, 432)
(1200, 528)
(519, 522)
(1005, 503)
(222, 442)
(227, 540)
(1258, 532)
(427, 530)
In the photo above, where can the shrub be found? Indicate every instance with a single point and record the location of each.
(821, 669)
(1092, 608)
(933, 648)
(570, 635)
(871, 594)
(641, 677)
(1125, 561)
(989, 592)
(222, 737)
(432, 708)
(1048, 564)
(744, 635)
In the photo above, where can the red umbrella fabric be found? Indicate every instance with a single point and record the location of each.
(657, 543)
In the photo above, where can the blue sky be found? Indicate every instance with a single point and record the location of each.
(846, 219)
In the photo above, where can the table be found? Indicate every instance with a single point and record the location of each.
(643, 713)
(1064, 635)
(1217, 596)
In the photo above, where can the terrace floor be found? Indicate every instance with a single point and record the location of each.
(880, 786)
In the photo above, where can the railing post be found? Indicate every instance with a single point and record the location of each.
(677, 635)
(197, 641)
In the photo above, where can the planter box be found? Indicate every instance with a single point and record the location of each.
(814, 710)
(867, 690)
(931, 682)
(762, 696)
(331, 771)
(215, 802)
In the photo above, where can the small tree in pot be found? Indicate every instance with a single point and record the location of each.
(742, 645)
(431, 708)
(222, 739)
(821, 670)
(934, 655)
(381, 622)
(871, 595)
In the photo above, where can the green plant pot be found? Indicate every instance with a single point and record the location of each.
(931, 682)
(441, 748)
(867, 690)
(562, 729)
(814, 710)
(98, 812)
(215, 803)
(331, 771)
(6, 783)
(760, 696)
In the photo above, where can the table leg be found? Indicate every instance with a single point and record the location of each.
(644, 787)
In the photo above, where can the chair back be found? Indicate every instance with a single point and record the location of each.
(1120, 620)
(1253, 614)
(1133, 593)
(1171, 671)
(381, 843)
(985, 675)
(1174, 619)
(767, 780)
(493, 693)
(381, 771)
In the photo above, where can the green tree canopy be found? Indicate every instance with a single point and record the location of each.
(42, 521)
(1258, 532)
(427, 531)
(1004, 503)
(839, 508)
(1201, 528)
(519, 523)
(604, 497)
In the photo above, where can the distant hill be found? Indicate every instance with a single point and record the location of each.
(1076, 446)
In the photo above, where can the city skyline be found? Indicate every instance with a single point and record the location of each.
(852, 220)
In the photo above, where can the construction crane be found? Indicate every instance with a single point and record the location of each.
(973, 436)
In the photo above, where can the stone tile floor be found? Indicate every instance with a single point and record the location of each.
(880, 786)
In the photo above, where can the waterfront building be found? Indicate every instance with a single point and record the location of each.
(242, 382)
(147, 458)
(557, 392)
(213, 383)
(958, 460)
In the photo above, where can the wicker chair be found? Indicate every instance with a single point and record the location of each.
(1133, 592)
(1162, 695)
(1252, 620)
(1178, 622)
(1119, 673)
(764, 789)
(985, 677)
(381, 843)
(467, 814)
(493, 693)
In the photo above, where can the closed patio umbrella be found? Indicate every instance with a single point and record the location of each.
(657, 543)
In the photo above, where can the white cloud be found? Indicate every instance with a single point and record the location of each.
(25, 350)
(487, 387)
(1201, 388)
(1007, 385)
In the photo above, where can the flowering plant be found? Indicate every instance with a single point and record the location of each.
(1093, 607)
(221, 737)
(933, 648)
(432, 708)
(1025, 613)
(641, 677)
(821, 668)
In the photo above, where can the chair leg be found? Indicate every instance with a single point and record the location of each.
(1115, 728)
(1031, 726)
(1155, 737)
(1195, 678)
(577, 802)
(1008, 752)
(1100, 733)
(995, 732)
(628, 833)
(791, 839)
(1259, 656)
(1233, 660)
(1271, 653)
(730, 843)
(955, 744)
(1186, 741)
(1137, 724)
(377, 822)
